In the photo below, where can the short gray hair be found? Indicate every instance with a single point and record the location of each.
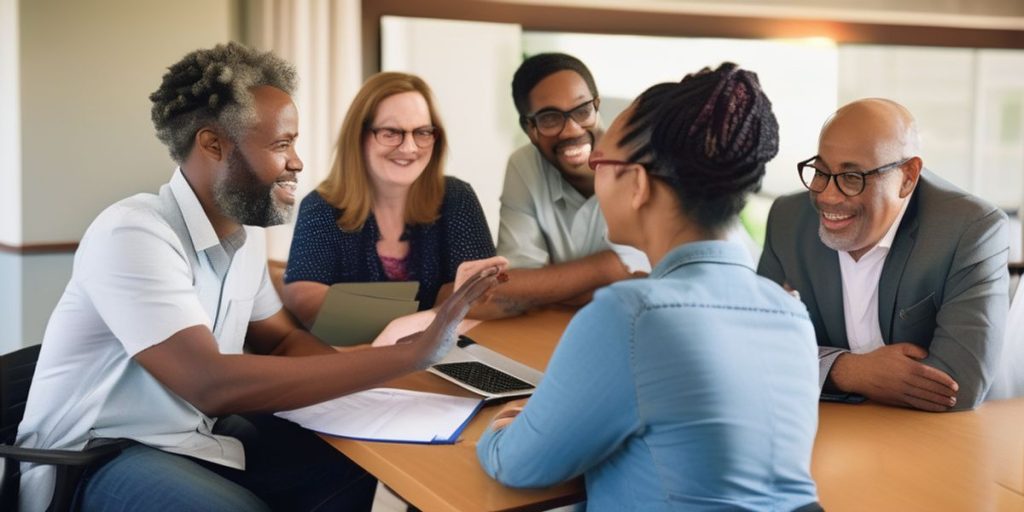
(213, 87)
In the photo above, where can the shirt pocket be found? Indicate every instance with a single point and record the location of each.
(917, 322)
(231, 330)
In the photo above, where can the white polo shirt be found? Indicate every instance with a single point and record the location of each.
(148, 267)
(860, 290)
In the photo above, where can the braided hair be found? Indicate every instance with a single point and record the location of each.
(709, 136)
(214, 87)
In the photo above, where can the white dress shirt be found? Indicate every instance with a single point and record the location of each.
(860, 290)
(148, 267)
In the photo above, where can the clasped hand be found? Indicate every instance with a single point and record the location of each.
(895, 375)
(508, 413)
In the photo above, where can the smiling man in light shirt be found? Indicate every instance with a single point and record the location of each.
(904, 274)
(170, 335)
(551, 229)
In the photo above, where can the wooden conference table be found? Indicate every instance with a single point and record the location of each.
(866, 457)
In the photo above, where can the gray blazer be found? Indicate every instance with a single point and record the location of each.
(944, 285)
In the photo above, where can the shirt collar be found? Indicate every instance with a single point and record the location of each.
(886, 242)
(200, 229)
(560, 189)
(706, 251)
(890, 235)
(556, 183)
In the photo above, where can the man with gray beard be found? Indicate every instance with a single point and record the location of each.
(904, 274)
(171, 338)
(242, 195)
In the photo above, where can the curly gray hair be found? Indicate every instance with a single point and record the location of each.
(213, 87)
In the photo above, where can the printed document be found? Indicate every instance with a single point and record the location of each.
(390, 415)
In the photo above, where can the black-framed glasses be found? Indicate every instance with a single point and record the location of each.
(551, 121)
(850, 183)
(423, 136)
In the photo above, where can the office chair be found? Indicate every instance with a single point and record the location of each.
(16, 369)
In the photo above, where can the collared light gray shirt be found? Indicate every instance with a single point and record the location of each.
(545, 220)
(148, 267)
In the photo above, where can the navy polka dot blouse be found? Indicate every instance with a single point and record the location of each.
(322, 252)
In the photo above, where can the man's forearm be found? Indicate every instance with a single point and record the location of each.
(971, 321)
(556, 283)
(190, 364)
(301, 343)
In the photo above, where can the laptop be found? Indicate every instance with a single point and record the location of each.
(355, 313)
(486, 372)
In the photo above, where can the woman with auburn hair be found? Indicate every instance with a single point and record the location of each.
(386, 212)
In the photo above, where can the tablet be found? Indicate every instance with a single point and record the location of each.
(355, 313)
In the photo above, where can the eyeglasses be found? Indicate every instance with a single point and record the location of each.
(850, 183)
(423, 136)
(593, 163)
(551, 121)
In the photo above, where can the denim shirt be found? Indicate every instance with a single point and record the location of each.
(693, 389)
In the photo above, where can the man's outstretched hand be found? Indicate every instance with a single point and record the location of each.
(439, 337)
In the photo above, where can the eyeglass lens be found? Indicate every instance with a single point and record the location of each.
(551, 122)
(422, 137)
(849, 183)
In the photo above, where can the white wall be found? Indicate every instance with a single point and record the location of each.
(799, 76)
(999, 122)
(969, 106)
(87, 69)
(323, 40)
(936, 84)
(469, 66)
(10, 136)
(82, 117)
(11, 306)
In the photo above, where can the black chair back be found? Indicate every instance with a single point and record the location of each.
(16, 369)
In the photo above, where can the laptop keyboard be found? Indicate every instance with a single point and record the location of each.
(482, 377)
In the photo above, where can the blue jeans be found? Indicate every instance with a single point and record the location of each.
(286, 468)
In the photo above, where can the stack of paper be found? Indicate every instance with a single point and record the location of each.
(390, 415)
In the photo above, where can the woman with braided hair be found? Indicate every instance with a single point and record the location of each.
(696, 388)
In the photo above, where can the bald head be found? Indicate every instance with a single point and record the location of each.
(877, 139)
(882, 129)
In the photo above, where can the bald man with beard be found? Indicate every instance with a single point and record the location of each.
(903, 273)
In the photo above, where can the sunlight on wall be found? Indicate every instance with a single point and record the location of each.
(799, 76)
(470, 84)
(969, 103)
(10, 125)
